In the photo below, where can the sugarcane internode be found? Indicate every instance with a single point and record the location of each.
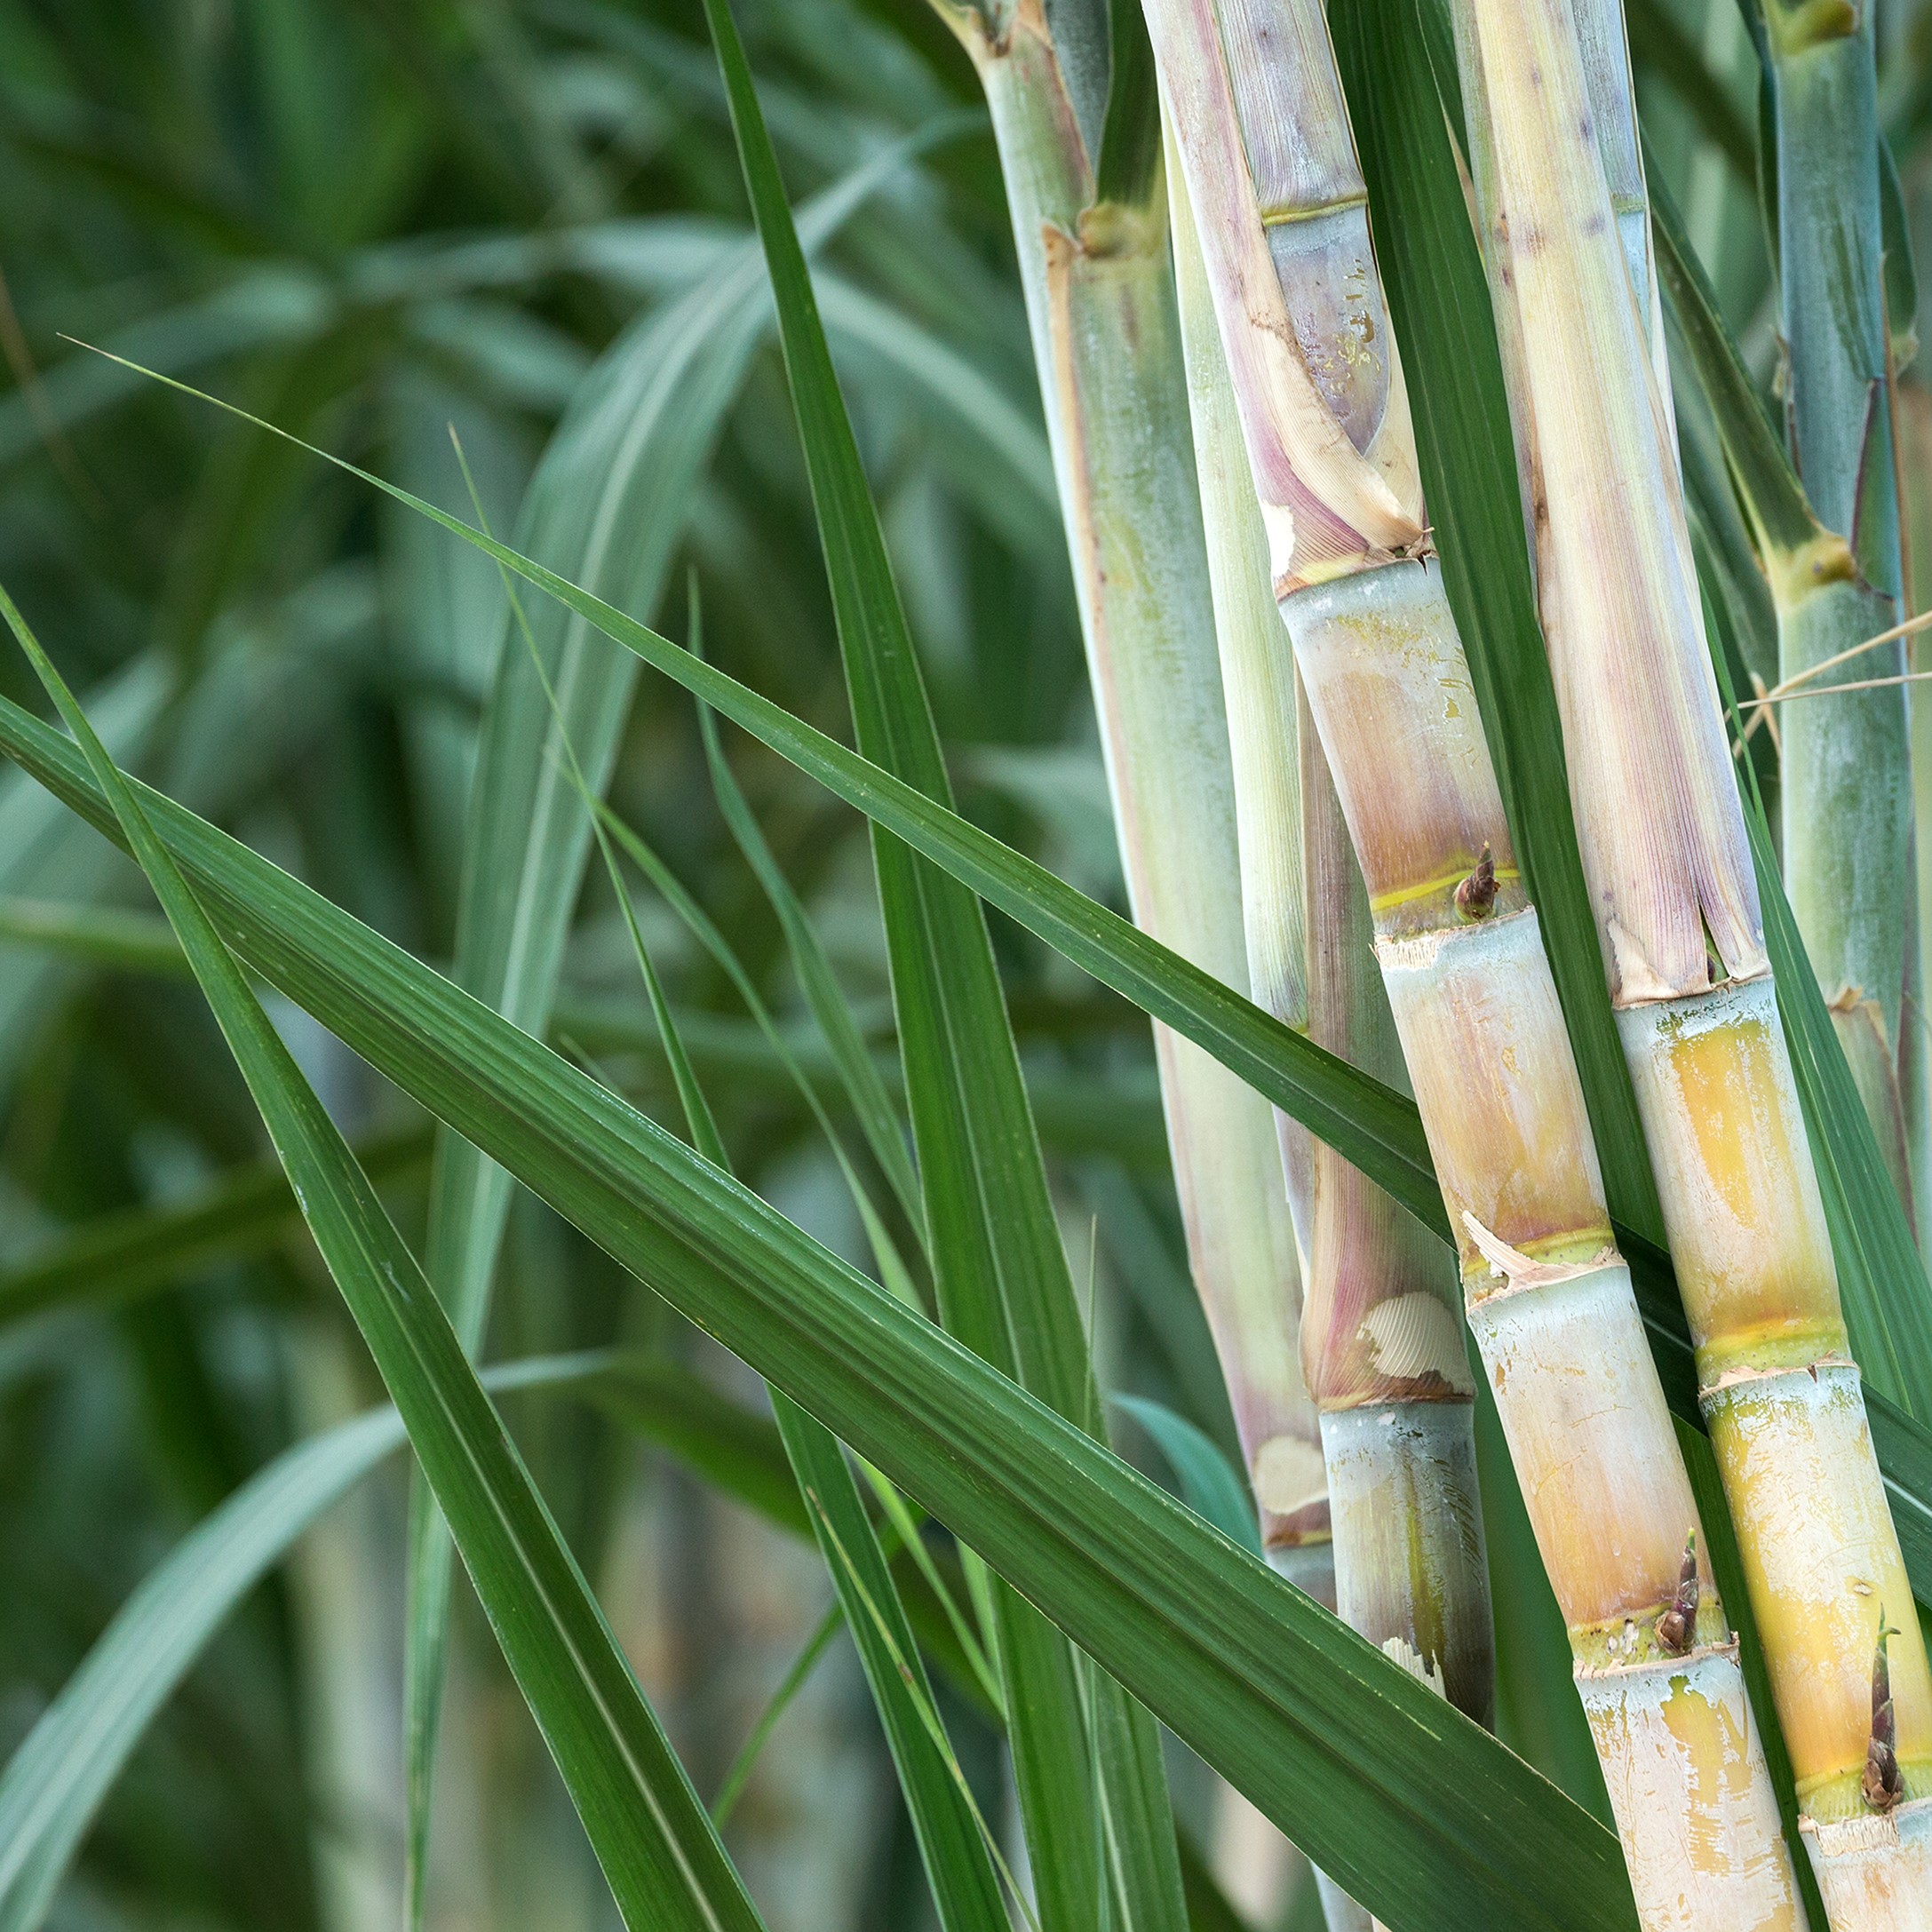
(1883, 1784)
(1677, 1626)
(1475, 897)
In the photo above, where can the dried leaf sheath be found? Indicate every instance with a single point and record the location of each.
(1663, 849)
(1498, 1088)
(1382, 1346)
(1100, 306)
(1335, 489)
(1378, 1323)
(1606, 67)
(1661, 738)
(1606, 61)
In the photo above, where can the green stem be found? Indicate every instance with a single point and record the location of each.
(1847, 811)
(1098, 286)
(1099, 294)
(1847, 772)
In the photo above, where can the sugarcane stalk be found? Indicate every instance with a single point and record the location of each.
(1606, 61)
(1846, 772)
(1667, 860)
(1381, 1347)
(1280, 209)
(1825, 614)
(1382, 1350)
(1097, 278)
(1099, 290)
(1264, 733)
(1381, 1343)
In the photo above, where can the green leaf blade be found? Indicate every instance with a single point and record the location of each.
(658, 1850)
(623, 462)
(952, 1837)
(607, 504)
(1092, 1793)
(1783, 520)
(1369, 1124)
(878, 1118)
(1400, 1798)
(1399, 73)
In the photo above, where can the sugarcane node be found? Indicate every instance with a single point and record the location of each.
(1677, 1626)
(1815, 23)
(1883, 1784)
(1475, 897)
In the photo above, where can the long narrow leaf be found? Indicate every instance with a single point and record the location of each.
(1086, 1763)
(740, 1454)
(953, 1840)
(1772, 495)
(892, 1267)
(704, 929)
(878, 1118)
(622, 460)
(1371, 1124)
(1418, 1812)
(655, 1841)
(608, 504)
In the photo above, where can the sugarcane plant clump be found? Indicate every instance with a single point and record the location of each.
(1458, 959)
(1665, 852)
(1281, 213)
(1382, 1519)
